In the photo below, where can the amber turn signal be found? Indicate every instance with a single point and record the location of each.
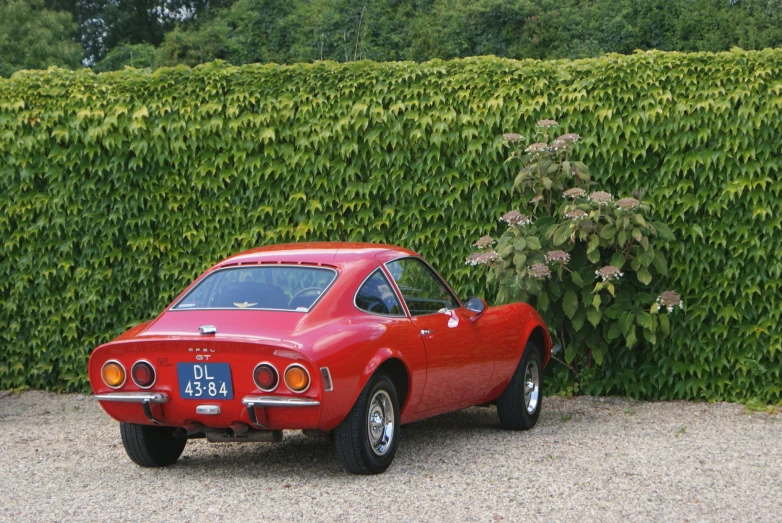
(113, 374)
(296, 378)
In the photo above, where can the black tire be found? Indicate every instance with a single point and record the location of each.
(151, 446)
(512, 405)
(355, 447)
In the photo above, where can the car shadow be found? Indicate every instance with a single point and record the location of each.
(302, 457)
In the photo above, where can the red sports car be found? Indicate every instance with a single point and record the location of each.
(347, 339)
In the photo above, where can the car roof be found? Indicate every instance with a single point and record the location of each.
(320, 253)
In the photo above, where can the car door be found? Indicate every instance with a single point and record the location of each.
(458, 369)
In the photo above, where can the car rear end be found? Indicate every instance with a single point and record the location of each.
(208, 385)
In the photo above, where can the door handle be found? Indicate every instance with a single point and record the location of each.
(427, 332)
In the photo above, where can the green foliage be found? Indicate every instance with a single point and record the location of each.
(32, 37)
(104, 25)
(140, 56)
(206, 44)
(586, 263)
(118, 189)
(287, 31)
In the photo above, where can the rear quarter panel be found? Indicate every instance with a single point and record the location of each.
(512, 325)
(353, 352)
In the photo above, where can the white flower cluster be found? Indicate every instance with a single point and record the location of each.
(547, 123)
(515, 219)
(557, 145)
(627, 203)
(601, 197)
(539, 271)
(670, 300)
(483, 242)
(608, 273)
(539, 147)
(569, 138)
(575, 192)
(576, 214)
(557, 257)
(472, 259)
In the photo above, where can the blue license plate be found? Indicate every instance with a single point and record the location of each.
(199, 381)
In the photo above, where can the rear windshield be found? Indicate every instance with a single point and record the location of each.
(278, 287)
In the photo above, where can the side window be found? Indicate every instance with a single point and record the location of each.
(377, 296)
(421, 289)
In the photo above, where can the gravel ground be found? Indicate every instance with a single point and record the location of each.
(589, 459)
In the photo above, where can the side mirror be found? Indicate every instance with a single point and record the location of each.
(476, 305)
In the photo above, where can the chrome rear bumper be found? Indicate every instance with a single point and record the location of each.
(145, 398)
(134, 397)
(272, 401)
(279, 401)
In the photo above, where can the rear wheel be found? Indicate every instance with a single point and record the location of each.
(519, 405)
(151, 446)
(367, 438)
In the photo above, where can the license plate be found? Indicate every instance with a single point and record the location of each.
(205, 381)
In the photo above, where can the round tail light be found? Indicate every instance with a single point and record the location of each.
(143, 374)
(113, 374)
(297, 378)
(265, 377)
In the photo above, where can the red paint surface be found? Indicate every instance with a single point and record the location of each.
(462, 363)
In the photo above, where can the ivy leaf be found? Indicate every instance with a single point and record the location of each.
(644, 319)
(618, 260)
(665, 324)
(570, 353)
(664, 232)
(660, 263)
(561, 235)
(533, 243)
(543, 301)
(608, 232)
(594, 242)
(626, 322)
(594, 315)
(570, 304)
(644, 276)
(630, 339)
(578, 319)
(614, 331)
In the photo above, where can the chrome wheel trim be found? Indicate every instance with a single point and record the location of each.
(380, 423)
(531, 386)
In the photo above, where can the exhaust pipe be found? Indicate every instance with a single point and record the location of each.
(237, 429)
(189, 430)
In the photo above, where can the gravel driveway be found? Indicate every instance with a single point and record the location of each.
(594, 459)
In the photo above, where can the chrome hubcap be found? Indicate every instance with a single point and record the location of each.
(531, 387)
(380, 423)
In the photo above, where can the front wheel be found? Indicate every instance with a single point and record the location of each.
(519, 405)
(367, 438)
(150, 446)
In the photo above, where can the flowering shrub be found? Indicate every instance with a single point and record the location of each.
(585, 259)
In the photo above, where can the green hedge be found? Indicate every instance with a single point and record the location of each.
(118, 189)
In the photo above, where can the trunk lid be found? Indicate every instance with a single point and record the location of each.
(261, 324)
